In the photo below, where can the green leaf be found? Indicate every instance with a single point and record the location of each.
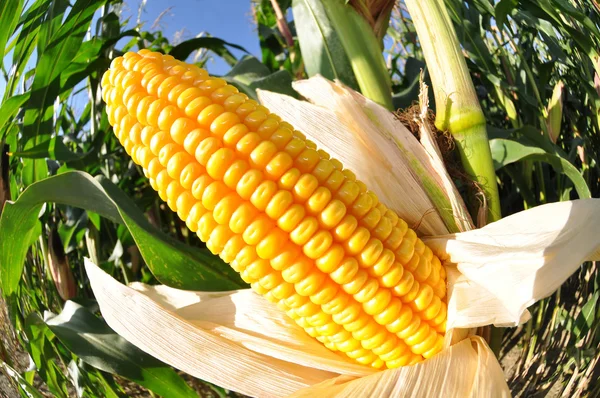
(508, 151)
(409, 90)
(250, 74)
(34, 170)
(9, 16)
(183, 50)
(51, 24)
(322, 49)
(92, 340)
(585, 319)
(56, 57)
(364, 50)
(54, 148)
(43, 354)
(24, 386)
(503, 9)
(10, 108)
(30, 26)
(172, 262)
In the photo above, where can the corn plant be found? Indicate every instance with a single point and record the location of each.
(163, 233)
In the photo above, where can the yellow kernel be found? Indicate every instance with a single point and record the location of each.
(271, 245)
(213, 193)
(242, 217)
(234, 173)
(180, 129)
(194, 109)
(209, 114)
(255, 119)
(311, 284)
(223, 122)
(247, 143)
(248, 183)
(356, 283)
(257, 230)
(346, 271)
(278, 204)
(378, 303)
(262, 194)
(331, 259)
(281, 137)
(176, 164)
(294, 147)
(358, 240)
(323, 170)
(262, 154)
(289, 178)
(278, 165)
(297, 271)
(234, 134)
(335, 181)
(307, 160)
(205, 150)
(318, 244)
(305, 187)
(224, 210)
(291, 218)
(304, 231)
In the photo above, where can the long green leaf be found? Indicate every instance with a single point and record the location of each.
(320, 44)
(183, 50)
(585, 319)
(92, 340)
(249, 74)
(10, 10)
(172, 262)
(30, 25)
(57, 56)
(54, 148)
(10, 108)
(508, 151)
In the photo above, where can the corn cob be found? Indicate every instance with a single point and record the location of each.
(296, 225)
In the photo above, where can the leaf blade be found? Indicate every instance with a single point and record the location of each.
(96, 344)
(188, 268)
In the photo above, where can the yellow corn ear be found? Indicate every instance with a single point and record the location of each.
(292, 221)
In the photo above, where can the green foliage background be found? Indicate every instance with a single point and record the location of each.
(73, 192)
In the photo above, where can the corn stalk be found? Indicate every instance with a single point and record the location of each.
(458, 110)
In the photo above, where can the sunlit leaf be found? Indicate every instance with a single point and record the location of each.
(188, 267)
(183, 50)
(323, 51)
(96, 344)
(9, 15)
(507, 151)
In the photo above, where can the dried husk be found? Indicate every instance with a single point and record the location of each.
(241, 342)
(519, 260)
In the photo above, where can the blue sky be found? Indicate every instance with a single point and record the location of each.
(230, 20)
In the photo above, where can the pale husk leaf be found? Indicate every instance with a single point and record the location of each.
(462, 293)
(247, 318)
(467, 369)
(356, 131)
(518, 260)
(236, 357)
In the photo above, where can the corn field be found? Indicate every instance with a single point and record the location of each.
(392, 198)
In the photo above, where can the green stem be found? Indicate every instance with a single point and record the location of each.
(458, 109)
(363, 50)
